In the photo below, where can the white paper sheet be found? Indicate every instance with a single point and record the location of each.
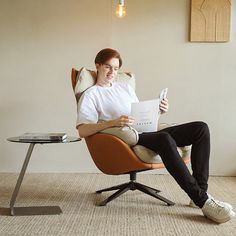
(146, 115)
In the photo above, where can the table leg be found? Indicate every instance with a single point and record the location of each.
(44, 210)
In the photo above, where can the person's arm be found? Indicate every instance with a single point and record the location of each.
(90, 129)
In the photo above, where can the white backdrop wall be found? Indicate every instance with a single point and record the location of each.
(42, 40)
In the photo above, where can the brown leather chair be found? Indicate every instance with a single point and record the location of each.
(114, 157)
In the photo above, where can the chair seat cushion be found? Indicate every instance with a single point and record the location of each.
(149, 156)
(130, 136)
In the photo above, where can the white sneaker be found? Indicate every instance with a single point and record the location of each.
(216, 212)
(223, 204)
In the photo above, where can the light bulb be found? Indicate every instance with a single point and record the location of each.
(120, 9)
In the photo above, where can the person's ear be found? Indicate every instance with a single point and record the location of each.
(97, 66)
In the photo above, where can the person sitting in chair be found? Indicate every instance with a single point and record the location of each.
(108, 104)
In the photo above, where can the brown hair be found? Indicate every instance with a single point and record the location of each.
(106, 54)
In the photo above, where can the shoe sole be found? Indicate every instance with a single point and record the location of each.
(220, 221)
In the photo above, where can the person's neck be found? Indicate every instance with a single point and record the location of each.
(103, 84)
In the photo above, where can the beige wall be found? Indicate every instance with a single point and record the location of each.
(42, 40)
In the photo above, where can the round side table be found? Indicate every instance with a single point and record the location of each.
(40, 210)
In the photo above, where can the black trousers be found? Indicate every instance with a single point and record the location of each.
(165, 143)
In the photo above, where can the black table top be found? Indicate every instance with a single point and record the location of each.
(69, 139)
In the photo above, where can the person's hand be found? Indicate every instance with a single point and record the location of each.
(123, 121)
(164, 105)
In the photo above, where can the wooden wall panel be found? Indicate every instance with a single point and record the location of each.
(210, 20)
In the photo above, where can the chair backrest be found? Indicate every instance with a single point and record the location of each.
(123, 158)
(74, 74)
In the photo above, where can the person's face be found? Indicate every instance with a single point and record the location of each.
(107, 72)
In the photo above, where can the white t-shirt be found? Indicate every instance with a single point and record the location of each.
(99, 103)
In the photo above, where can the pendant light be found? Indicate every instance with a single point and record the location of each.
(120, 9)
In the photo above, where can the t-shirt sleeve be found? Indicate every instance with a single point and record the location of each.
(86, 110)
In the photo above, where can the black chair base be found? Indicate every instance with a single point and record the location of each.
(132, 185)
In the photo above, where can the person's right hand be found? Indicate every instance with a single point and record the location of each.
(123, 121)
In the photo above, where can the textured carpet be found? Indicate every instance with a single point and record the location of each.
(133, 213)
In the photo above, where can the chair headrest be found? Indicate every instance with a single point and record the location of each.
(86, 78)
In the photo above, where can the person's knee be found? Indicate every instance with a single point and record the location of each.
(202, 127)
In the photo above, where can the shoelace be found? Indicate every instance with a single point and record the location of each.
(219, 203)
(216, 201)
(218, 207)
